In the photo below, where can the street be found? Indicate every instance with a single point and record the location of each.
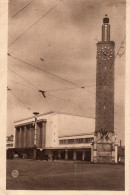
(63, 175)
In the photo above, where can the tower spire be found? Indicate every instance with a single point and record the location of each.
(106, 29)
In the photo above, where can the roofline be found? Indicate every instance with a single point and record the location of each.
(67, 147)
(33, 116)
(81, 134)
(30, 122)
(52, 112)
(73, 115)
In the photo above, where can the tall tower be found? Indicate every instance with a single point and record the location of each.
(104, 140)
(105, 80)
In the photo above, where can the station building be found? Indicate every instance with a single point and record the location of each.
(61, 135)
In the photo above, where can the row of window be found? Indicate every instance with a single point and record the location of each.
(76, 141)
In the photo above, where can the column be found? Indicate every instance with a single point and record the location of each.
(95, 149)
(32, 136)
(113, 147)
(20, 138)
(83, 155)
(95, 152)
(29, 137)
(116, 152)
(66, 155)
(26, 136)
(113, 152)
(25, 130)
(37, 137)
(92, 153)
(59, 154)
(35, 134)
(74, 155)
(16, 137)
(31, 145)
(43, 134)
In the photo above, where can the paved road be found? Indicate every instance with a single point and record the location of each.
(43, 175)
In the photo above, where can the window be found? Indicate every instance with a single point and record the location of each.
(63, 141)
(79, 140)
(89, 140)
(76, 141)
(70, 141)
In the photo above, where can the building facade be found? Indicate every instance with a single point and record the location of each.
(60, 135)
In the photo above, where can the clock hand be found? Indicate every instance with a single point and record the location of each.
(104, 52)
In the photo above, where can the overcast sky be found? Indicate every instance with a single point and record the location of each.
(62, 42)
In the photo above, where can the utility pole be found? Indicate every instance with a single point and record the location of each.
(35, 137)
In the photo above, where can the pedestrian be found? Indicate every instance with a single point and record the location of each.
(52, 158)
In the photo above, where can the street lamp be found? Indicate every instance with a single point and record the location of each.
(35, 131)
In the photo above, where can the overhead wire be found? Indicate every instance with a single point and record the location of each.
(60, 89)
(23, 78)
(24, 103)
(21, 84)
(80, 87)
(20, 100)
(30, 28)
(22, 90)
(47, 71)
(72, 88)
(46, 92)
(42, 70)
(21, 9)
(64, 100)
(46, 101)
(65, 79)
(53, 96)
(57, 97)
(33, 24)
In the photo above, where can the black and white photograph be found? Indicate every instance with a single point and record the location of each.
(66, 73)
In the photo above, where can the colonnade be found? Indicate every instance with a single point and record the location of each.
(74, 154)
(24, 136)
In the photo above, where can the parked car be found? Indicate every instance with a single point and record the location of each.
(44, 157)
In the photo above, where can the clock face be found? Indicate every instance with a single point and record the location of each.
(105, 53)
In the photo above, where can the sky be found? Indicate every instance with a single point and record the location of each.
(59, 38)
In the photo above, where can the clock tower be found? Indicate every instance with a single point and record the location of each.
(104, 139)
